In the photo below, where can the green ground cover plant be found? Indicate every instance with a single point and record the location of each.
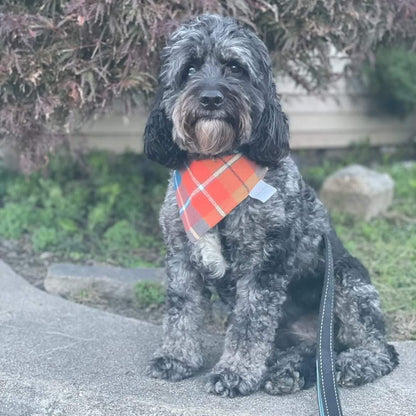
(101, 206)
(149, 293)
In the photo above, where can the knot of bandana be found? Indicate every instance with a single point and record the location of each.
(207, 190)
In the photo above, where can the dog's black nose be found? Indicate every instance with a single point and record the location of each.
(211, 99)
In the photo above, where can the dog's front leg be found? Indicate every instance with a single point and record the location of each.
(249, 339)
(180, 355)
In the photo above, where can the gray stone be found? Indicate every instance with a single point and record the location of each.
(359, 191)
(58, 358)
(46, 255)
(407, 164)
(117, 283)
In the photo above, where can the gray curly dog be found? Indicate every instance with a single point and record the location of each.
(265, 260)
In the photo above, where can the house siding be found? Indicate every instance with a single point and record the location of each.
(335, 119)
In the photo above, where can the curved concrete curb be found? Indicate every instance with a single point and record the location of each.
(59, 358)
(117, 283)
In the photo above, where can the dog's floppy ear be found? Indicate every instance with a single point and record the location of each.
(158, 143)
(269, 141)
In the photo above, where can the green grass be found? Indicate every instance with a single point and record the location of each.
(102, 206)
(386, 245)
(149, 293)
(389, 252)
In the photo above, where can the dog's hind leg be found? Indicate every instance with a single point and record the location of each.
(290, 370)
(361, 365)
(363, 354)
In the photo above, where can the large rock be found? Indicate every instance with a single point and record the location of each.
(359, 191)
(59, 358)
(117, 283)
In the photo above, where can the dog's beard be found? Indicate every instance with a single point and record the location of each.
(214, 136)
(205, 136)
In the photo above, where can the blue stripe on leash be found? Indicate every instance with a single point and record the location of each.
(326, 386)
(318, 390)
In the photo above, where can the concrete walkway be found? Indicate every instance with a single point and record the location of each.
(58, 358)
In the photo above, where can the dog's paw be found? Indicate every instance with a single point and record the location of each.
(170, 368)
(227, 383)
(283, 382)
(350, 377)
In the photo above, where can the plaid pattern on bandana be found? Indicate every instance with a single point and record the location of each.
(208, 190)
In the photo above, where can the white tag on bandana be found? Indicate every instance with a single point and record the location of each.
(262, 191)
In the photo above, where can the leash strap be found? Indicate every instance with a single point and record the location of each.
(326, 386)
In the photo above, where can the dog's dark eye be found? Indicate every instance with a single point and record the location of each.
(188, 72)
(191, 71)
(235, 68)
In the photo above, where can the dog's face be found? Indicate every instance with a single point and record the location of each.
(216, 96)
(213, 87)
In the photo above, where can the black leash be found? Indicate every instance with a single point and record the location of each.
(326, 385)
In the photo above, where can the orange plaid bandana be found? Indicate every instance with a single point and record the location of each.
(208, 190)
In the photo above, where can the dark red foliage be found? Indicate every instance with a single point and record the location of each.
(62, 61)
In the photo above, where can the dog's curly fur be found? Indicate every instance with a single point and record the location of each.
(265, 260)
